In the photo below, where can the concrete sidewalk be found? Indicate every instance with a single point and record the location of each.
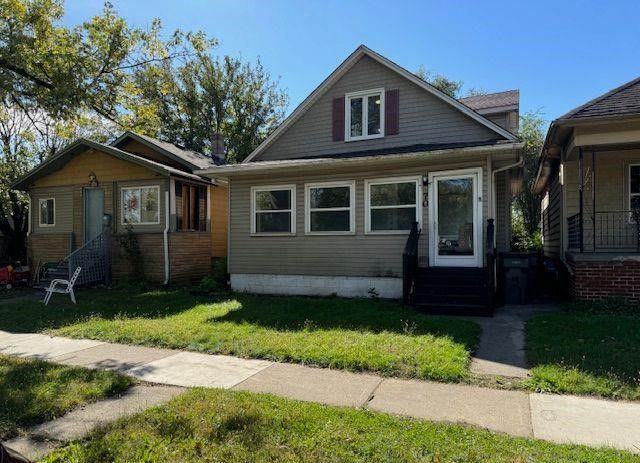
(563, 419)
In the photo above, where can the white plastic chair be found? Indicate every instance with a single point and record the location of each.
(68, 287)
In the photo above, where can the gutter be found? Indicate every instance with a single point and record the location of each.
(165, 235)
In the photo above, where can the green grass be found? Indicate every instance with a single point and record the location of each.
(353, 334)
(585, 352)
(33, 391)
(216, 426)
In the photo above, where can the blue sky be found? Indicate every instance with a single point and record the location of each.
(558, 53)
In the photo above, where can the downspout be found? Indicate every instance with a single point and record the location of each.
(166, 238)
(494, 205)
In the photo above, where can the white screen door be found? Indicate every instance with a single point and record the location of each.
(455, 218)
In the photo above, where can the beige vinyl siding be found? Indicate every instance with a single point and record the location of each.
(339, 255)
(552, 220)
(424, 118)
(63, 209)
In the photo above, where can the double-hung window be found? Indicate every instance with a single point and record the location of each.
(47, 211)
(273, 209)
(634, 186)
(141, 205)
(364, 115)
(392, 205)
(330, 208)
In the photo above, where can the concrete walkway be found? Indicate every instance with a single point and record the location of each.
(564, 419)
(76, 424)
(501, 351)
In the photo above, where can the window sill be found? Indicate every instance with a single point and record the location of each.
(388, 232)
(329, 233)
(260, 235)
(368, 137)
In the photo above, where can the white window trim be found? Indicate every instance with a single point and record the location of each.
(138, 187)
(46, 225)
(628, 199)
(365, 125)
(257, 189)
(385, 181)
(352, 207)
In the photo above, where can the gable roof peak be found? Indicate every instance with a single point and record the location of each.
(347, 64)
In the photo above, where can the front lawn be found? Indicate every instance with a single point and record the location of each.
(33, 391)
(585, 352)
(217, 425)
(354, 334)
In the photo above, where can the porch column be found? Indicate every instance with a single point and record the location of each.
(593, 197)
(580, 196)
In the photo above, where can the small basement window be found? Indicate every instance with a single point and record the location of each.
(191, 207)
(364, 115)
(47, 208)
(330, 208)
(391, 205)
(273, 209)
(141, 205)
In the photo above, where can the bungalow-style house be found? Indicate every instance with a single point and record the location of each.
(135, 205)
(377, 184)
(589, 176)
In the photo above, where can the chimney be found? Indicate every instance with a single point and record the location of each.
(218, 147)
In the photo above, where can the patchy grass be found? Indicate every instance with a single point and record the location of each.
(33, 391)
(353, 334)
(217, 425)
(585, 352)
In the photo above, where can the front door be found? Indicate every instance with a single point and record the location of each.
(455, 214)
(93, 212)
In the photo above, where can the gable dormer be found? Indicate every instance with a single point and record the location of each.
(371, 105)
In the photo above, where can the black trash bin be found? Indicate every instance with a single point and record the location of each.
(517, 274)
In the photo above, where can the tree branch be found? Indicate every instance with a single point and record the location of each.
(26, 74)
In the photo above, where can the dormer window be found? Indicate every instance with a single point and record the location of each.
(365, 115)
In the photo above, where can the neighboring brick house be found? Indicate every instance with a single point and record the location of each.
(331, 201)
(86, 199)
(589, 176)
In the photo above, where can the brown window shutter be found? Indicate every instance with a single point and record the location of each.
(392, 112)
(337, 120)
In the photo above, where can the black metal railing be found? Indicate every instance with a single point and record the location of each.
(604, 231)
(410, 264)
(491, 263)
(95, 259)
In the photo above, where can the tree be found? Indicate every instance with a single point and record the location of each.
(526, 203)
(66, 71)
(441, 82)
(194, 102)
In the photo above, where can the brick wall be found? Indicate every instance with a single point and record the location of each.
(190, 256)
(47, 248)
(151, 246)
(594, 280)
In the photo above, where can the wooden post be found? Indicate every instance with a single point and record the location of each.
(581, 198)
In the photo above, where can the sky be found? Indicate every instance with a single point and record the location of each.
(560, 54)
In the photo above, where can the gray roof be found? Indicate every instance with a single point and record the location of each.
(58, 160)
(492, 100)
(621, 101)
(188, 158)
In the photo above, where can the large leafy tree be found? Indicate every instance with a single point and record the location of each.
(199, 101)
(526, 203)
(441, 82)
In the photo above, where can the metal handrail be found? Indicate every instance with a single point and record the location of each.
(95, 259)
(410, 264)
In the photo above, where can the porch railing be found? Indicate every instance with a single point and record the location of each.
(95, 259)
(604, 231)
(410, 264)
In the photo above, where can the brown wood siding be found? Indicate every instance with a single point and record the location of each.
(551, 217)
(190, 256)
(348, 255)
(219, 220)
(64, 209)
(423, 118)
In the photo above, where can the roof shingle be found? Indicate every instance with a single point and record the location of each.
(492, 100)
(621, 101)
